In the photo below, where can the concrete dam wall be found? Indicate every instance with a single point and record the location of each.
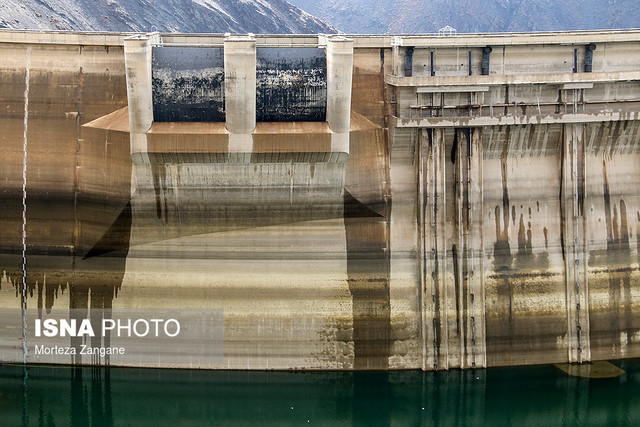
(319, 202)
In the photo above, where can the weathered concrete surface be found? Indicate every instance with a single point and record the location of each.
(291, 84)
(188, 84)
(77, 181)
(460, 221)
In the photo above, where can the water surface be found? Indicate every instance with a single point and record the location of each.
(538, 395)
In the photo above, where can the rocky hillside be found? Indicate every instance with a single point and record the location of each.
(189, 16)
(427, 16)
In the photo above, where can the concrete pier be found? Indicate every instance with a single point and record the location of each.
(339, 72)
(240, 91)
(137, 57)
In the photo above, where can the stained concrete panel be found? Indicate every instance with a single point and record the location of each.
(613, 209)
(291, 84)
(525, 287)
(188, 84)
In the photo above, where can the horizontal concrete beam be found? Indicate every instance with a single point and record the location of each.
(456, 89)
(537, 119)
(511, 79)
(509, 39)
(578, 85)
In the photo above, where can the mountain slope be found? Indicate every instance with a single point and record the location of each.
(188, 16)
(468, 16)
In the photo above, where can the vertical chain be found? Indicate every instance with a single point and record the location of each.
(24, 210)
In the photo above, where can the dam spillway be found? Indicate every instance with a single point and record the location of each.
(323, 202)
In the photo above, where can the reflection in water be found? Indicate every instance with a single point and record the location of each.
(541, 395)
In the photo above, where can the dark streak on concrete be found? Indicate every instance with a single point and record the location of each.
(607, 203)
(456, 278)
(437, 323)
(638, 239)
(502, 258)
(561, 201)
(461, 152)
(580, 174)
(159, 174)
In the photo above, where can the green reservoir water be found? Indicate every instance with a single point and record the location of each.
(539, 395)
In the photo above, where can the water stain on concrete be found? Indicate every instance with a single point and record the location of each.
(618, 255)
(502, 258)
(159, 174)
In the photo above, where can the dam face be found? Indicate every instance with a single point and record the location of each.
(320, 202)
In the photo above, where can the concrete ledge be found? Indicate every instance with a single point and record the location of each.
(511, 39)
(450, 122)
(510, 79)
(119, 121)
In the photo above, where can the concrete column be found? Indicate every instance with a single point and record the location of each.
(425, 301)
(433, 236)
(452, 291)
(137, 60)
(397, 60)
(575, 239)
(240, 91)
(469, 184)
(339, 77)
